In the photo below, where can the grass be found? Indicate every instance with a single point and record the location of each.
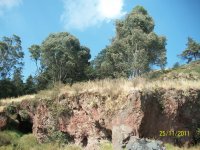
(13, 140)
(7, 101)
(10, 140)
(189, 71)
(172, 147)
(8, 137)
(117, 86)
(177, 78)
(107, 87)
(106, 145)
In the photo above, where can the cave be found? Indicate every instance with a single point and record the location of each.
(24, 126)
(84, 141)
(107, 132)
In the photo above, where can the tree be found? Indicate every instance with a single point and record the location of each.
(135, 48)
(18, 82)
(101, 65)
(192, 52)
(30, 85)
(176, 65)
(7, 89)
(35, 54)
(11, 55)
(62, 58)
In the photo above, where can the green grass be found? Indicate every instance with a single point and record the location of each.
(106, 146)
(26, 142)
(172, 147)
(187, 71)
(9, 137)
(14, 140)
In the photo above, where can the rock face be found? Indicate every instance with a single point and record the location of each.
(87, 118)
(3, 120)
(143, 144)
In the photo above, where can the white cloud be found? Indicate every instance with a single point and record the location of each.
(6, 5)
(80, 14)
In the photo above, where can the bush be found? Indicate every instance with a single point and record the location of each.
(11, 109)
(26, 142)
(197, 136)
(24, 115)
(4, 139)
(9, 137)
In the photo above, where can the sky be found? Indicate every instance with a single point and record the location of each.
(93, 22)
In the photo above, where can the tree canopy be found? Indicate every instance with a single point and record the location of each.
(62, 57)
(134, 49)
(11, 55)
(192, 51)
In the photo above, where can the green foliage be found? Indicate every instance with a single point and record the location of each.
(14, 87)
(11, 55)
(4, 139)
(176, 65)
(24, 115)
(106, 146)
(30, 85)
(18, 82)
(192, 52)
(189, 71)
(11, 109)
(9, 137)
(13, 140)
(134, 48)
(60, 137)
(42, 80)
(7, 88)
(62, 58)
(35, 53)
(26, 142)
(196, 137)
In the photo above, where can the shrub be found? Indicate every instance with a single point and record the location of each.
(4, 139)
(26, 142)
(11, 109)
(9, 137)
(24, 115)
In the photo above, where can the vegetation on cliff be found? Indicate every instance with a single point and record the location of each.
(66, 95)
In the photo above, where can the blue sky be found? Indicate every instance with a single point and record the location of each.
(92, 21)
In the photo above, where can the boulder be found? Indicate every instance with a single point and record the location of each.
(136, 143)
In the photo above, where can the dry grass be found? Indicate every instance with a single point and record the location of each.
(6, 101)
(107, 87)
(117, 86)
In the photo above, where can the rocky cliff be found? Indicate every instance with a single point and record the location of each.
(86, 118)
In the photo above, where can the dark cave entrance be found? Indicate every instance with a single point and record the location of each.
(107, 132)
(84, 141)
(25, 125)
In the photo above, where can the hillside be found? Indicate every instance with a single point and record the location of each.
(95, 113)
(189, 71)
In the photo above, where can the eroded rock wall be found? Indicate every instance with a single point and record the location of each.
(87, 118)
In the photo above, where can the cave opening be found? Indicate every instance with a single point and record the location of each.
(107, 132)
(24, 126)
(84, 141)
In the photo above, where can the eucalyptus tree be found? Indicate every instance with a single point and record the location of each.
(135, 48)
(11, 56)
(192, 52)
(62, 58)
